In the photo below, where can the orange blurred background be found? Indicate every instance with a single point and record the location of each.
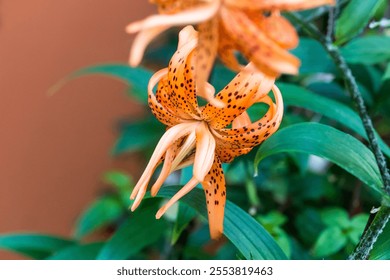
(53, 150)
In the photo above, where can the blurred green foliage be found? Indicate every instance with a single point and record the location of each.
(297, 207)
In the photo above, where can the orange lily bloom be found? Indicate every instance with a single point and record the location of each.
(255, 28)
(199, 135)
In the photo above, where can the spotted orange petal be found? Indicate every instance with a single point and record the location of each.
(268, 56)
(287, 5)
(215, 192)
(174, 6)
(255, 133)
(180, 80)
(206, 53)
(227, 155)
(161, 112)
(278, 29)
(237, 96)
(150, 27)
(226, 49)
(241, 120)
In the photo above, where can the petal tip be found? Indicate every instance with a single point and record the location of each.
(159, 213)
(133, 27)
(216, 234)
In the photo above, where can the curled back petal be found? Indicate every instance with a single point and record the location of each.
(141, 41)
(241, 120)
(191, 16)
(182, 192)
(237, 96)
(168, 139)
(228, 154)
(286, 5)
(150, 27)
(204, 154)
(267, 56)
(187, 161)
(265, 87)
(167, 167)
(254, 134)
(158, 109)
(180, 79)
(215, 192)
(208, 93)
(206, 53)
(185, 150)
(174, 6)
(226, 49)
(278, 29)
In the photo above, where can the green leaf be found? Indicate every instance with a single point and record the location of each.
(335, 217)
(138, 231)
(367, 50)
(354, 17)
(300, 97)
(137, 78)
(283, 240)
(184, 216)
(309, 225)
(102, 212)
(381, 250)
(329, 143)
(118, 179)
(358, 223)
(313, 57)
(78, 252)
(330, 241)
(139, 135)
(240, 228)
(386, 76)
(122, 182)
(272, 219)
(33, 245)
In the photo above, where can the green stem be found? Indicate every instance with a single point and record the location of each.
(374, 230)
(252, 193)
(371, 235)
(251, 187)
(353, 89)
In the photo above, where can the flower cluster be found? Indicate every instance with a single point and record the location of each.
(255, 28)
(207, 136)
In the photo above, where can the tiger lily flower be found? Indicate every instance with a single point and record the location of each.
(255, 28)
(200, 135)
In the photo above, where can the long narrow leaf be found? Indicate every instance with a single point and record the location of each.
(137, 78)
(329, 143)
(367, 50)
(36, 246)
(78, 252)
(249, 237)
(102, 212)
(138, 231)
(354, 17)
(300, 97)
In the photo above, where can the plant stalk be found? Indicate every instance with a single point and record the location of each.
(355, 93)
(374, 230)
(370, 236)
